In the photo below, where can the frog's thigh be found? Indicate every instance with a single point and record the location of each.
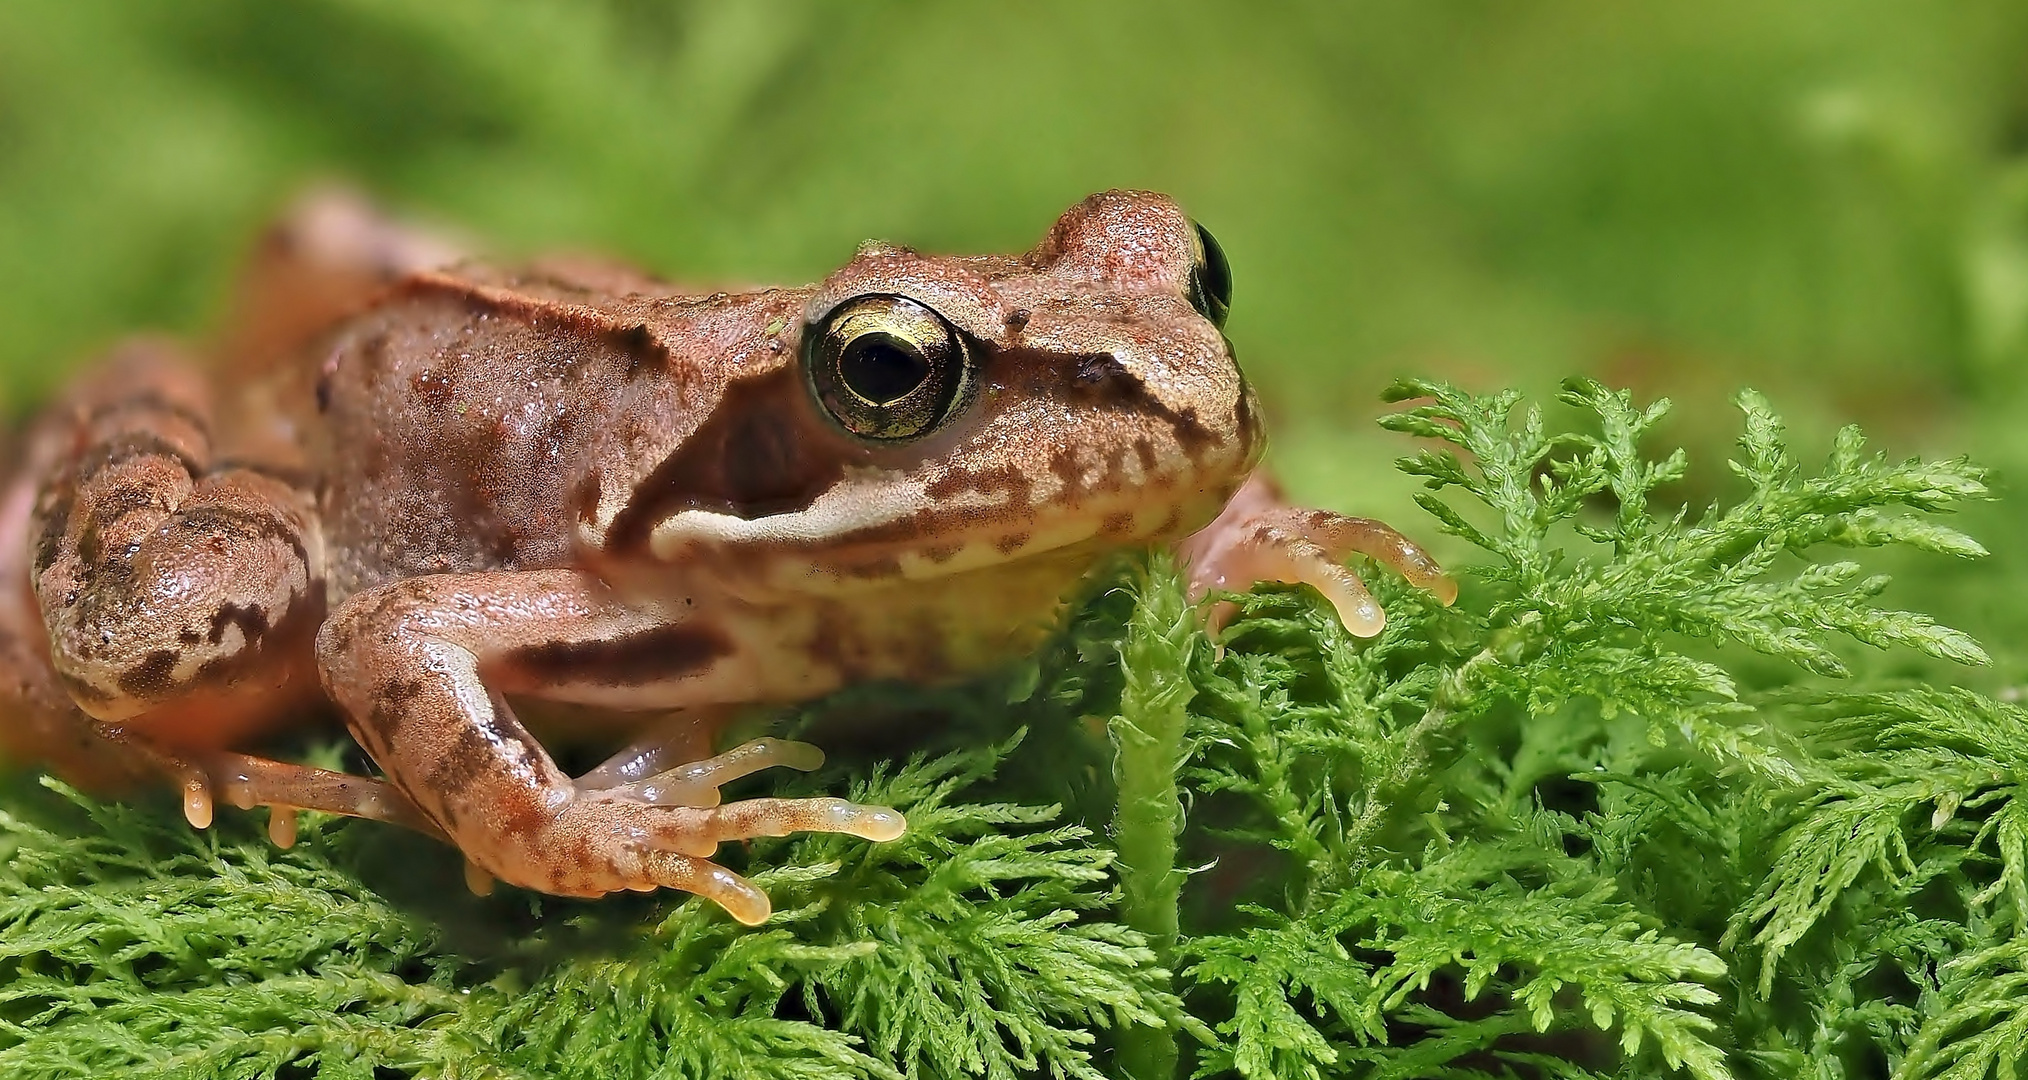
(419, 667)
(156, 575)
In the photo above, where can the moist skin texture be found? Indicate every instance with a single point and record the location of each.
(413, 486)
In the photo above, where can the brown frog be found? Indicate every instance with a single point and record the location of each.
(422, 487)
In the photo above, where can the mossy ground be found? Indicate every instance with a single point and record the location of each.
(1669, 835)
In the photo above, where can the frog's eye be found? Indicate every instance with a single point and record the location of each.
(1210, 278)
(887, 368)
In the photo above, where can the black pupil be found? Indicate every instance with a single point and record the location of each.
(882, 368)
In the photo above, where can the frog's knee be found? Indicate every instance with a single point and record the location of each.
(138, 633)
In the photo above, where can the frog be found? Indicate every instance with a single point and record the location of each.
(433, 492)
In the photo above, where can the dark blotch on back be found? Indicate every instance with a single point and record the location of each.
(434, 386)
(151, 677)
(639, 346)
(251, 619)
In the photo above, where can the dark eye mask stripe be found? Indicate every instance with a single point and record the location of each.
(749, 460)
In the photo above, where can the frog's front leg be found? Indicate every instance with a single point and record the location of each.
(1259, 538)
(421, 666)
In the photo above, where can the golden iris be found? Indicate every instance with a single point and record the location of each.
(887, 368)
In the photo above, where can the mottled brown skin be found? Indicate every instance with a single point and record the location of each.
(575, 484)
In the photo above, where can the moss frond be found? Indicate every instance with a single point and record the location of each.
(1644, 803)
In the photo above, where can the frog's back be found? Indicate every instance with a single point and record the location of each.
(475, 421)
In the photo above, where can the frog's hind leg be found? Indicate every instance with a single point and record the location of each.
(163, 576)
(420, 667)
(330, 253)
(39, 722)
(176, 594)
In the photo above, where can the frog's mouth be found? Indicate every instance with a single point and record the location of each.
(851, 538)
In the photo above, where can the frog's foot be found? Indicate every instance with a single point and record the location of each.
(676, 844)
(605, 841)
(207, 778)
(696, 783)
(1258, 539)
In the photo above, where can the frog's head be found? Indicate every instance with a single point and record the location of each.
(940, 415)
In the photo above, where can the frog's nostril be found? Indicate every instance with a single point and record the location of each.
(1101, 379)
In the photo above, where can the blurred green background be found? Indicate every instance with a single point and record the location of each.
(1827, 200)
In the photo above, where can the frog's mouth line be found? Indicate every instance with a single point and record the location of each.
(928, 539)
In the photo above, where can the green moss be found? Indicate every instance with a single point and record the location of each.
(1675, 787)
(1546, 830)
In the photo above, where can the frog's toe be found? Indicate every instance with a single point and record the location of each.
(750, 818)
(282, 825)
(741, 899)
(680, 861)
(198, 804)
(699, 831)
(1309, 547)
(1300, 560)
(477, 880)
(697, 783)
